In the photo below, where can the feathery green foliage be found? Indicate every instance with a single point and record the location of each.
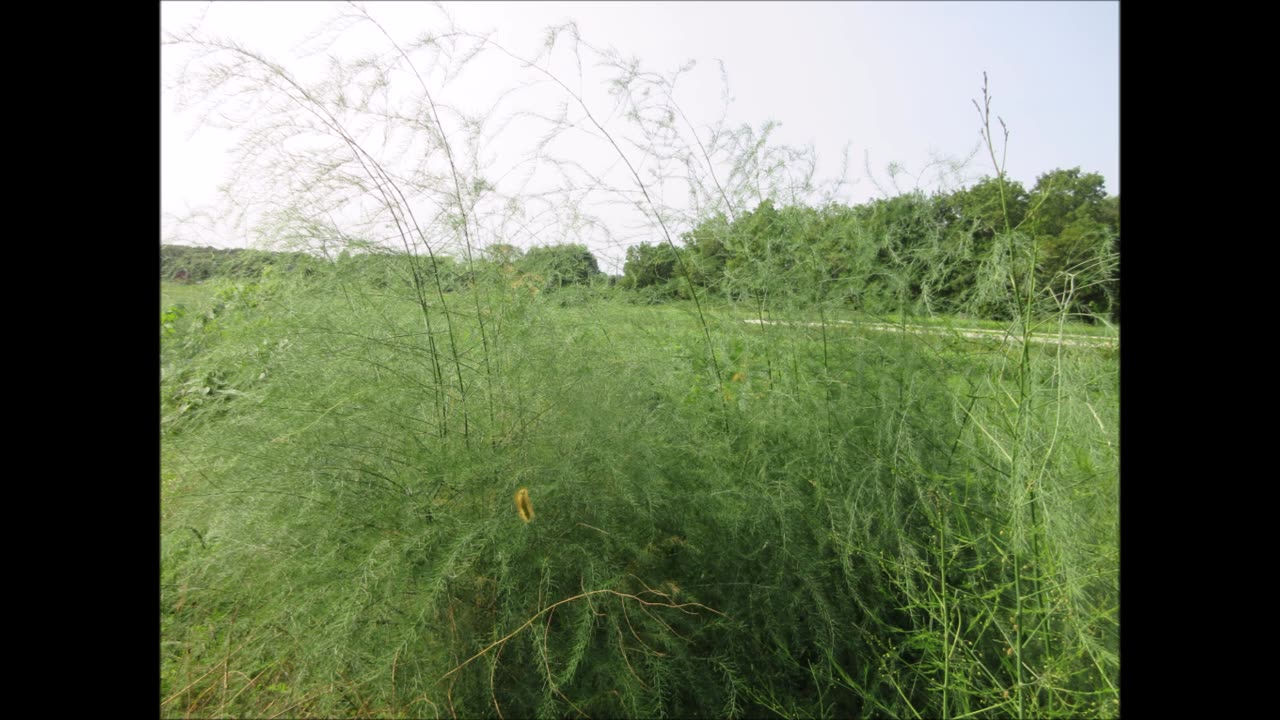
(749, 502)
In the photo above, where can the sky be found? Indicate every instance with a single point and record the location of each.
(876, 82)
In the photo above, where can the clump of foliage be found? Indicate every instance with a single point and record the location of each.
(195, 264)
(935, 252)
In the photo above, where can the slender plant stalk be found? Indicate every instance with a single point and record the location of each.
(457, 196)
(657, 215)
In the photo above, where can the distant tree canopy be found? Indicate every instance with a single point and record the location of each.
(648, 265)
(949, 252)
(543, 268)
(560, 265)
(1077, 228)
(195, 264)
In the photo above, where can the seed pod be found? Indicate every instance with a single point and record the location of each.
(524, 506)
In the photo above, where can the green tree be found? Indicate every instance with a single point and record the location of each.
(560, 265)
(757, 259)
(979, 211)
(961, 273)
(903, 231)
(648, 265)
(1061, 197)
(1111, 216)
(707, 250)
(1076, 229)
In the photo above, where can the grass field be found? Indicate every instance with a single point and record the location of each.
(722, 519)
(184, 294)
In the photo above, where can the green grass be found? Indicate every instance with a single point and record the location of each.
(841, 525)
(179, 293)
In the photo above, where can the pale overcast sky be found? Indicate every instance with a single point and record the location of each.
(893, 82)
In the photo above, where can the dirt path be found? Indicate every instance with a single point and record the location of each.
(974, 333)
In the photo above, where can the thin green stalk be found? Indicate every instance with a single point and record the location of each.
(382, 180)
(462, 208)
(946, 614)
(1024, 395)
(684, 269)
(768, 348)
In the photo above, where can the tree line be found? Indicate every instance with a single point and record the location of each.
(196, 264)
(946, 252)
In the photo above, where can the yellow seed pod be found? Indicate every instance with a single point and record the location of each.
(524, 506)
